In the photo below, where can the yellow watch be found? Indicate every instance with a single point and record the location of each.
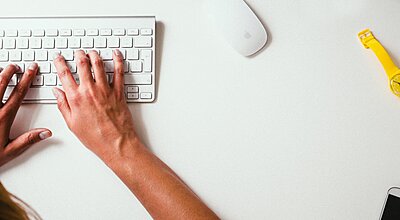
(392, 71)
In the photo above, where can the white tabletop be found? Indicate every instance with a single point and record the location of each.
(308, 129)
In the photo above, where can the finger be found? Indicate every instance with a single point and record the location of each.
(98, 68)
(62, 103)
(118, 81)
(17, 146)
(5, 77)
(64, 73)
(14, 102)
(84, 71)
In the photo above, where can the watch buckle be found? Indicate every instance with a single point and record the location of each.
(365, 36)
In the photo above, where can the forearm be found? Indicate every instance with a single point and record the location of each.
(159, 189)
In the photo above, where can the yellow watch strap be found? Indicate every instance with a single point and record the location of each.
(369, 41)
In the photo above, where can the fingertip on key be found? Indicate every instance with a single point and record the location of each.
(33, 66)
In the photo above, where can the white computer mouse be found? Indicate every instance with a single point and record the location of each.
(238, 24)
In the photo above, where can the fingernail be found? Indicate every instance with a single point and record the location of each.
(117, 52)
(55, 93)
(33, 66)
(44, 135)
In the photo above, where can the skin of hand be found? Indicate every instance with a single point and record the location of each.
(98, 115)
(10, 149)
(95, 111)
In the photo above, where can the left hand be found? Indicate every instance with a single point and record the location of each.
(10, 149)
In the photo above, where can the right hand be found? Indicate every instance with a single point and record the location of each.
(95, 111)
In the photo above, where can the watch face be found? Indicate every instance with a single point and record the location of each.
(395, 84)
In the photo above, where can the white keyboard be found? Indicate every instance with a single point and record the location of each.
(26, 40)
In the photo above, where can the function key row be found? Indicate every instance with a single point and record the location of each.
(76, 32)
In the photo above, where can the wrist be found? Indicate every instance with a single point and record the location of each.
(124, 151)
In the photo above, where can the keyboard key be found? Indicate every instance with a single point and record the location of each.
(79, 32)
(68, 54)
(44, 67)
(15, 55)
(137, 79)
(1, 43)
(38, 33)
(127, 42)
(41, 55)
(3, 55)
(133, 89)
(145, 95)
(109, 66)
(33, 94)
(87, 42)
(100, 42)
(135, 66)
(50, 80)
(52, 32)
(147, 57)
(133, 95)
(113, 42)
(61, 43)
(65, 32)
(118, 32)
(92, 32)
(35, 43)
(22, 43)
(9, 43)
(11, 33)
(132, 54)
(133, 32)
(1, 33)
(25, 33)
(48, 43)
(146, 31)
(106, 54)
(144, 42)
(74, 43)
(53, 54)
(105, 32)
(38, 80)
(28, 55)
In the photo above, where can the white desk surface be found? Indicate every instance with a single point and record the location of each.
(308, 129)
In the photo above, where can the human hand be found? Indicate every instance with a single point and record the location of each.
(10, 149)
(96, 111)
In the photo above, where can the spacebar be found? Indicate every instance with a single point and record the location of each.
(44, 93)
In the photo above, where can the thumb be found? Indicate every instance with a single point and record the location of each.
(17, 146)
